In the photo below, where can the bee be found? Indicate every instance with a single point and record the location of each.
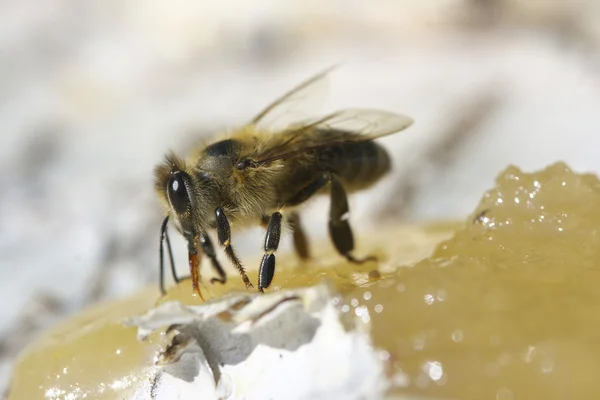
(255, 173)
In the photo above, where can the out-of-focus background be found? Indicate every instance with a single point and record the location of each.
(92, 94)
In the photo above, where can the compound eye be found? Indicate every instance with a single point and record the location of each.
(178, 194)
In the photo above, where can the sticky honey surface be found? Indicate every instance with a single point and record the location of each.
(505, 306)
(508, 308)
(93, 355)
(89, 356)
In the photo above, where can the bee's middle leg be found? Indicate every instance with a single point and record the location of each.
(209, 250)
(300, 242)
(267, 265)
(339, 228)
(224, 234)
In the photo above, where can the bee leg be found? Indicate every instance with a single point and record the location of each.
(264, 221)
(164, 237)
(209, 250)
(339, 228)
(267, 266)
(308, 191)
(224, 234)
(300, 242)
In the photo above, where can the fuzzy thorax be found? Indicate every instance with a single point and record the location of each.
(244, 194)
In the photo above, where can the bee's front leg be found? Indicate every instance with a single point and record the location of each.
(164, 237)
(267, 266)
(209, 250)
(224, 234)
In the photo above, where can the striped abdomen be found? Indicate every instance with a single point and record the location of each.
(358, 165)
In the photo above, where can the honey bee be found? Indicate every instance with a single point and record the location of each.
(255, 173)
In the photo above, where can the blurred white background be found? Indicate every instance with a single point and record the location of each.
(92, 94)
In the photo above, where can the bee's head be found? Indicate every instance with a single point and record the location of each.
(182, 195)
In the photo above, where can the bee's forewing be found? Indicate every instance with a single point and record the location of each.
(365, 122)
(362, 125)
(303, 101)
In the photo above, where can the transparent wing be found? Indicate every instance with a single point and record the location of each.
(302, 101)
(341, 127)
(364, 123)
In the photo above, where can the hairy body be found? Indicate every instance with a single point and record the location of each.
(254, 174)
(247, 194)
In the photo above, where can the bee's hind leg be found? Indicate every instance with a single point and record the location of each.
(267, 266)
(339, 228)
(209, 250)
